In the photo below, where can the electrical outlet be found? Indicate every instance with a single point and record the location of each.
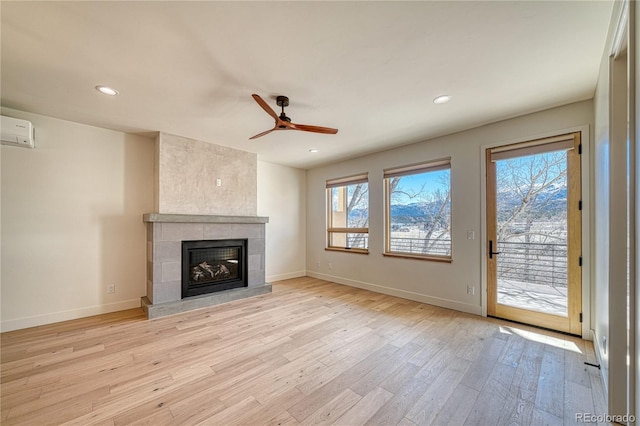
(111, 288)
(471, 290)
(318, 263)
(471, 235)
(330, 266)
(218, 182)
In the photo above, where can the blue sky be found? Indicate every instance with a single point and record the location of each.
(412, 184)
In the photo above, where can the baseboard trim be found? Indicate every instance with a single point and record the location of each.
(417, 297)
(38, 320)
(287, 276)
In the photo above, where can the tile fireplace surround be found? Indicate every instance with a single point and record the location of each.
(165, 233)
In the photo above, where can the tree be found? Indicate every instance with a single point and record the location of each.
(435, 218)
(531, 206)
(527, 189)
(358, 212)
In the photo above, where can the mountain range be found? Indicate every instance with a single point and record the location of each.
(547, 205)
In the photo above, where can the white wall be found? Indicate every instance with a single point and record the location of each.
(282, 197)
(601, 214)
(443, 284)
(610, 225)
(71, 222)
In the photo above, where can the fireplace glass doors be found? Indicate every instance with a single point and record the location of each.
(213, 265)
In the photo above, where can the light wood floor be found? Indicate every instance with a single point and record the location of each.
(311, 352)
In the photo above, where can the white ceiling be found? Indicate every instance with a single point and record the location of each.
(370, 69)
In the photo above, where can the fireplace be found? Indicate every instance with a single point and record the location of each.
(165, 269)
(209, 266)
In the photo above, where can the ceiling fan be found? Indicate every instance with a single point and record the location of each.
(283, 122)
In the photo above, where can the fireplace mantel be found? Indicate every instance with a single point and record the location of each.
(165, 233)
(200, 218)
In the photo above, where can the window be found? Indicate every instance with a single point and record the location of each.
(348, 214)
(418, 210)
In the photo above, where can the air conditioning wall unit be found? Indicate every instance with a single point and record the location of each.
(16, 132)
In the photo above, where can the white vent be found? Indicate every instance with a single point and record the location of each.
(16, 132)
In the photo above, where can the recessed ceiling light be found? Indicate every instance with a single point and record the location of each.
(313, 150)
(107, 90)
(442, 99)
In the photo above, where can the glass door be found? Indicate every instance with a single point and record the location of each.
(534, 233)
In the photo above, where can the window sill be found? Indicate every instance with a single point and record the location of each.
(347, 250)
(420, 257)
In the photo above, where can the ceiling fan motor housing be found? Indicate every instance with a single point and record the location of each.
(282, 101)
(284, 118)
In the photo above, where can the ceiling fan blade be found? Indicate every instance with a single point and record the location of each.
(283, 122)
(265, 106)
(315, 129)
(261, 134)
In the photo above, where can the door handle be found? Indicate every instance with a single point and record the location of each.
(491, 252)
